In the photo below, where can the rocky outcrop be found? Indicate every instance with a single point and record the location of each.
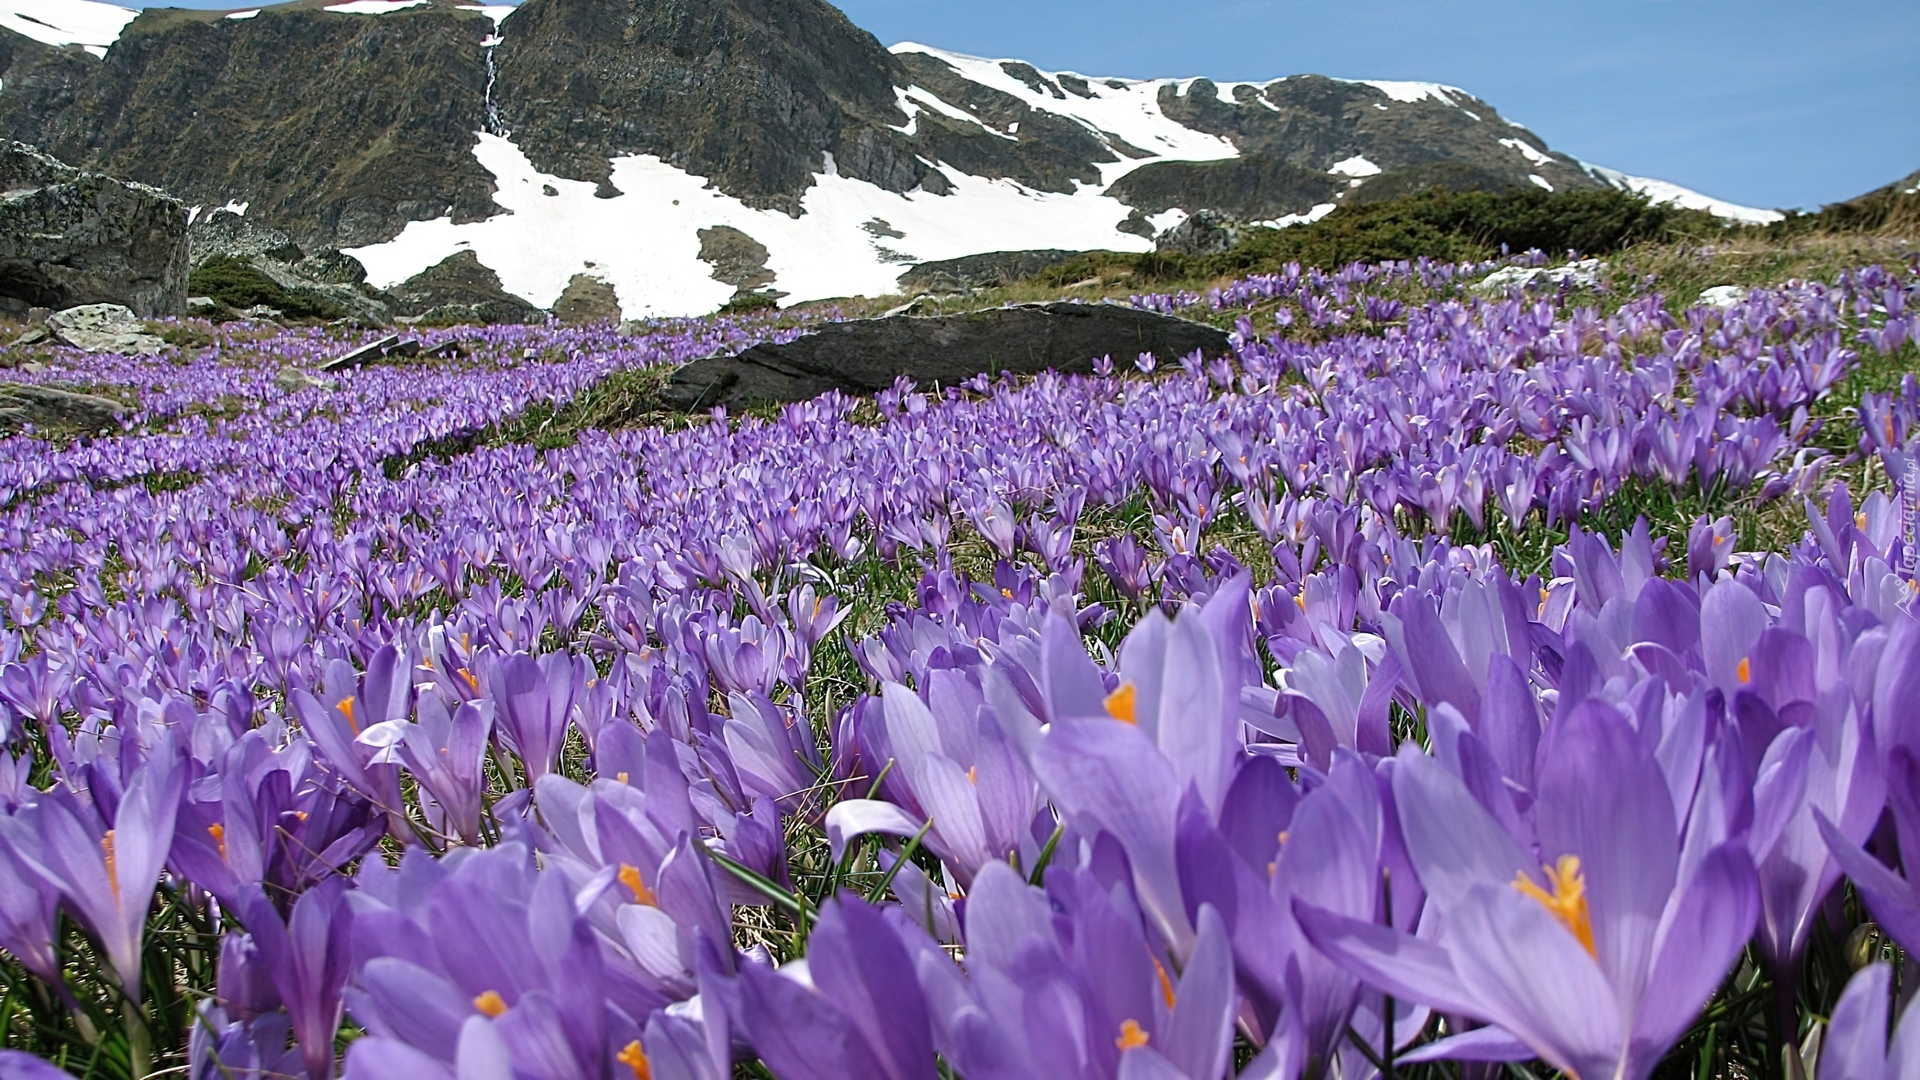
(70, 237)
(981, 271)
(737, 259)
(1204, 233)
(460, 289)
(752, 94)
(587, 299)
(64, 410)
(866, 355)
(338, 129)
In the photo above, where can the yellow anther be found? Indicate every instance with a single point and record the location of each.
(973, 774)
(630, 877)
(1745, 670)
(1166, 984)
(346, 710)
(219, 834)
(1568, 900)
(1008, 593)
(1131, 1036)
(1300, 601)
(1860, 521)
(1120, 703)
(490, 1003)
(472, 682)
(620, 776)
(636, 1059)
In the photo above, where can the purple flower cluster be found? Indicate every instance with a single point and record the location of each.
(532, 763)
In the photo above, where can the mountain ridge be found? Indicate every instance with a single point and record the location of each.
(607, 137)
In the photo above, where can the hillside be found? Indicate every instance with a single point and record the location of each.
(678, 148)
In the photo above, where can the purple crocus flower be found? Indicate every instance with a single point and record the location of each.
(1595, 962)
(306, 956)
(1893, 899)
(535, 699)
(1856, 1045)
(20, 1065)
(106, 873)
(852, 1010)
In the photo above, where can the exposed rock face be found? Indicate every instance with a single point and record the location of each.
(70, 237)
(980, 271)
(336, 128)
(867, 355)
(460, 289)
(749, 93)
(587, 299)
(103, 328)
(45, 406)
(1204, 233)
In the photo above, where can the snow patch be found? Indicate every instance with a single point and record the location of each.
(645, 241)
(1722, 296)
(496, 12)
(1308, 218)
(1526, 151)
(1660, 191)
(1355, 166)
(247, 14)
(374, 7)
(60, 23)
(1539, 182)
(1126, 109)
(238, 208)
(1167, 219)
(1411, 92)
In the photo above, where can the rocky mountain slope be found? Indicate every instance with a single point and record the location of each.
(618, 138)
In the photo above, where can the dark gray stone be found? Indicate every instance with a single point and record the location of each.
(47, 407)
(369, 353)
(866, 355)
(587, 299)
(69, 237)
(981, 271)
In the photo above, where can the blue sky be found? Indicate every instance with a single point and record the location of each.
(1763, 102)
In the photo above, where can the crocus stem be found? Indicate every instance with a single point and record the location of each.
(1786, 1023)
(1386, 1004)
(139, 1044)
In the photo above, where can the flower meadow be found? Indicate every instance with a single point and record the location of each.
(1402, 695)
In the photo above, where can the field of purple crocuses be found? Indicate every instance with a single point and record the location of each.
(1447, 685)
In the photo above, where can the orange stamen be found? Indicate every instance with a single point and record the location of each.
(1120, 703)
(491, 1003)
(1131, 1036)
(630, 877)
(633, 1057)
(1567, 903)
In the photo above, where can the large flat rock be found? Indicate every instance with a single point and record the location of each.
(867, 355)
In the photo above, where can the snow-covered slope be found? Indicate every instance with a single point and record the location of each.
(1661, 191)
(1004, 156)
(66, 22)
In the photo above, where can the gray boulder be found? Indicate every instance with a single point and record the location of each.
(866, 355)
(70, 237)
(46, 407)
(1205, 232)
(103, 328)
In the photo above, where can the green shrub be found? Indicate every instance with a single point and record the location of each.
(744, 302)
(240, 285)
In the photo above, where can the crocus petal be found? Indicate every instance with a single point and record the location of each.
(1888, 896)
(1703, 933)
(19, 1065)
(1392, 960)
(1452, 840)
(1856, 1039)
(1480, 1044)
(1199, 1036)
(858, 817)
(1530, 975)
